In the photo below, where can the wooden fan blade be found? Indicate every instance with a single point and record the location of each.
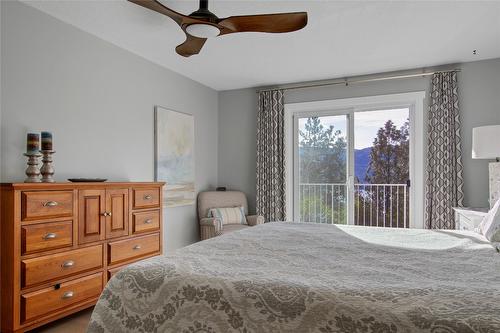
(192, 45)
(275, 23)
(159, 8)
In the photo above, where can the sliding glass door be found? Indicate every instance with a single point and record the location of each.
(352, 167)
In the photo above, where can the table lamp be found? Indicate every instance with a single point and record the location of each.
(486, 145)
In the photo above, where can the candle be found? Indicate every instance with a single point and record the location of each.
(46, 141)
(33, 143)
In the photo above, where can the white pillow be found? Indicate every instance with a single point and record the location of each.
(229, 215)
(490, 225)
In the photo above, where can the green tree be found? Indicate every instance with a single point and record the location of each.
(389, 155)
(389, 164)
(322, 151)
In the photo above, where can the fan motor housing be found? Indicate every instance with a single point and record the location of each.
(205, 14)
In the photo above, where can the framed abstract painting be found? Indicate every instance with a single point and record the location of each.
(174, 156)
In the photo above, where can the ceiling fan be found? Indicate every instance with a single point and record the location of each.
(203, 24)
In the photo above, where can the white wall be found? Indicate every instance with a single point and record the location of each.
(98, 101)
(479, 84)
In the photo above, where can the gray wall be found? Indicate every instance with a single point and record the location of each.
(480, 105)
(479, 84)
(98, 101)
(237, 145)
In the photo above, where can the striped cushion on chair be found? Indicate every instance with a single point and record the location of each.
(229, 215)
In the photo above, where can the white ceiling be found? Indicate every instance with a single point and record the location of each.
(342, 38)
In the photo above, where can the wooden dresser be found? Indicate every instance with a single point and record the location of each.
(61, 243)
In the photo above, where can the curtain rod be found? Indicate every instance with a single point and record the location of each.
(347, 82)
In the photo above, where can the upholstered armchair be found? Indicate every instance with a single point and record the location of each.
(212, 226)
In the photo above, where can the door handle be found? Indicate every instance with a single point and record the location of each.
(350, 183)
(50, 204)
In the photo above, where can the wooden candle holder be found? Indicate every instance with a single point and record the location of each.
(47, 170)
(32, 170)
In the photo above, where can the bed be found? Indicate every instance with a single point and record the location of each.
(301, 277)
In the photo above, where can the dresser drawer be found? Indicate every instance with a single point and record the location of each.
(146, 197)
(133, 248)
(45, 204)
(46, 236)
(41, 302)
(54, 266)
(146, 221)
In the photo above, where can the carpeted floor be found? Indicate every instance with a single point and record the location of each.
(76, 323)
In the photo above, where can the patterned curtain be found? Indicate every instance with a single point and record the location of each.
(444, 185)
(271, 156)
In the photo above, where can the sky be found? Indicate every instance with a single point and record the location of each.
(366, 124)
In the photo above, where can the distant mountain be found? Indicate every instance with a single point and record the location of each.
(361, 162)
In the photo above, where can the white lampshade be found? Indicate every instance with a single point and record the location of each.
(203, 30)
(486, 142)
